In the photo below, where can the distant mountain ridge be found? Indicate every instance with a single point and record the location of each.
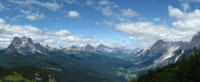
(162, 53)
(26, 46)
(102, 49)
(95, 66)
(159, 54)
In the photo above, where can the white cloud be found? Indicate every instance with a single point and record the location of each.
(71, 1)
(156, 19)
(35, 16)
(105, 2)
(32, 16)
(88, 2)
(128, 12)
(73, 14)
(185, 21)
(143, 30)
(185, 6)
(107, 11)
(7, 32)
(51, 6)
(2, 21)
(59, 38)
(184, 26)
(107, 8)
(109, 23)
(60, 33)
(174, 13)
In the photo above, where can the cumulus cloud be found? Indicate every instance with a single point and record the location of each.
(35, 16)
(2, 21)
(73, 14)
(107, 11)
(105, 2)
(143, 30)
(185, 6)
(128, 12)
(51, 6)
(32, 16)
(185, 21)
(184, 26)
(107, 7)
(61, 38)
(7, 32)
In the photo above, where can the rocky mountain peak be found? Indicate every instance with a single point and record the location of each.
(26, 46)
(100, 46)
(24, 40)
(196, 38)
(22, 45)
(89, 47)
(159, 42)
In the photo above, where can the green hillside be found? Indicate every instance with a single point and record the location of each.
(25, 74)
(185, 70)
(87, 67)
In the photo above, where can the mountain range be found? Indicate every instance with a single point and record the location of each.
(26, 46)
(102, 63)
(68, 64)
(102, 49)
(162, 53)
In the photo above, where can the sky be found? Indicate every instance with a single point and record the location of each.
(114, 23)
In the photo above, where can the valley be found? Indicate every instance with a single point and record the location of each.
(99, 40)
(90, 64)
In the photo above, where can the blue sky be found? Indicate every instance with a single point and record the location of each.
(115, 23)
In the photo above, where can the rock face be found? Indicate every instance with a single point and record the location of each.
(26, 46)
(89, 48)
(102, 48)
(162, 53)
(158, 52)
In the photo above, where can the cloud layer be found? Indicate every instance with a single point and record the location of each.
(184, 26)
(61, 38)
(53, 6)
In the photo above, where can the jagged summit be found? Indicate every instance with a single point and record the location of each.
(26, 46)
(196, 39)
(159, 43)
(101, 46)
(162, 52)
(89, 47)
(21, 45)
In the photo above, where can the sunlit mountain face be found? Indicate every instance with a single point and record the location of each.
(94, 40)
